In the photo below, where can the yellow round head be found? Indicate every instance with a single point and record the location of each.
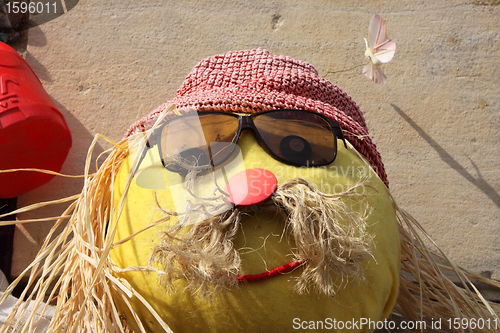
(268, 273)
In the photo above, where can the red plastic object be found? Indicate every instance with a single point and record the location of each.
(251, 187)
(33, 133)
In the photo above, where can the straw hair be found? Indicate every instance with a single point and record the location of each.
(73, 269)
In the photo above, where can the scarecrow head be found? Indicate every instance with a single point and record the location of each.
(259, 203)
(253, 202)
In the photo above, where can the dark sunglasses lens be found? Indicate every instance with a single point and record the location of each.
(297, 137)
(198, 140)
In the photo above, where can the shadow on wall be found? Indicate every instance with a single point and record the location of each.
(479, 182)
(37, 37)
(41, 71)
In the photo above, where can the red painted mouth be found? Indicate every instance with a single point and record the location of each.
(274, 272)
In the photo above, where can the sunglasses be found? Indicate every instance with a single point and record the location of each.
(294, 137)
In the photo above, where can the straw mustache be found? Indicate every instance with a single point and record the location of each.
(329, 232)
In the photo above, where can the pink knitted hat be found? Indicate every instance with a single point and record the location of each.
(256, 80)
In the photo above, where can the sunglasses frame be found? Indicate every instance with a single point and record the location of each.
(246, 122)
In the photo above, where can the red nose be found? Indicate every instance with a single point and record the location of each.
(251, 187)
